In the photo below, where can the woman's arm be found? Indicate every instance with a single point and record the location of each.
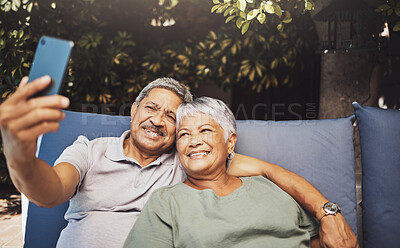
(334, 230)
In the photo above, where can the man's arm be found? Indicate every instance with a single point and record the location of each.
(334, 230)
(315, 242)
(296, 186)
(22, 121)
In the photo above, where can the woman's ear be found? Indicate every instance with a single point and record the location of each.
(231, 142)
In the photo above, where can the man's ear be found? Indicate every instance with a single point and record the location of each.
(231, 142)
(133, 109)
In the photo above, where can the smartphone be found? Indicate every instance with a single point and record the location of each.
(51, 58)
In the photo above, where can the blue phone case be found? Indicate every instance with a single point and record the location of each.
(51, 58)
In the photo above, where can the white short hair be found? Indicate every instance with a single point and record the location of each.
(214, 108)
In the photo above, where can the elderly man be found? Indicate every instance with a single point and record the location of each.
(108, 180)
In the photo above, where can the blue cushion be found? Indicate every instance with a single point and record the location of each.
(43, 225)
(321, 151)
(380, 155)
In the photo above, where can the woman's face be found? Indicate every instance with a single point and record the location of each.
(201, 146)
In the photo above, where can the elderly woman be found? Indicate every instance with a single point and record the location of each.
(212, 208)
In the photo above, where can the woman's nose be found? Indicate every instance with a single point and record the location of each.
(195, 140)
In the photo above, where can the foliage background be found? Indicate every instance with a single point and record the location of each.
(122, 45)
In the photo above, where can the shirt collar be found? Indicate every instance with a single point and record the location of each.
(115, 152)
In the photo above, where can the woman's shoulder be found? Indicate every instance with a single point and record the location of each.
(167, 192)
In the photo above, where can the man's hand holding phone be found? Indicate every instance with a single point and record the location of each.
(35, 108)
(23, 119)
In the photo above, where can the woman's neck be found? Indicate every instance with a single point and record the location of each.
(222, 185)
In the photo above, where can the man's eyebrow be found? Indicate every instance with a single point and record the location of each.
(170, 112)
(153, 104)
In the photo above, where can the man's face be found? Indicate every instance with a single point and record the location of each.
(153, 121)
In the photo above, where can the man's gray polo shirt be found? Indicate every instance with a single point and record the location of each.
(112, 190)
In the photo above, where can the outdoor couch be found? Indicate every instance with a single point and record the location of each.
(319, 150)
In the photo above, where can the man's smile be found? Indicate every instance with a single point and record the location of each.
(153, 131)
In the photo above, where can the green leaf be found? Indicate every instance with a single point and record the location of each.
(278, 10)
(227, 11)
(252, 14)
(3, 2)
(7, 7)
(214, 36)
(216, 2)
(245, 27)
(396, 27)
(397, 11)
(239, 22)
(269, 9)
(252, 74)
(221, 9)
(229, 19)
(279, 27)
(390, 12)
(382, 7)
(242, 14)
(214, 8)
(250, 1)
(29, 7)
(242, 4)
(223, 59)
(261, 18)
(309, 6)
(15, 5)
(287, 20)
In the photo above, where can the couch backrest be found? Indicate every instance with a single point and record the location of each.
(321, 151)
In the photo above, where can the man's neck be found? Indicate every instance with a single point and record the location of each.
(142, 157)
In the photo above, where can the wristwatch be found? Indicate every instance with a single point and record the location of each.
(330, 208)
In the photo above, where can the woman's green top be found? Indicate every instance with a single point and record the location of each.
(257, 214)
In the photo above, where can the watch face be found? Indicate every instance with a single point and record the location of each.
(331, 208)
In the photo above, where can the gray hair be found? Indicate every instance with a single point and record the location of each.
(214, 108)
(169, 84)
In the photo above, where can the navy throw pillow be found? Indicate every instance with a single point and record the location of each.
(380, 155)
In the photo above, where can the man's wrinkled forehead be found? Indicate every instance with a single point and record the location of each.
(159, 104)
